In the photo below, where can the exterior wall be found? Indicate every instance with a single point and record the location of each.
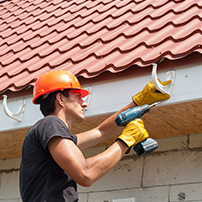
(176, 167)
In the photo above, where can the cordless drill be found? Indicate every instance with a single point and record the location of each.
(146, 146)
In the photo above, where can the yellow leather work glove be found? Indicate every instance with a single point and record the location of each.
(150, 94)
(133, 133)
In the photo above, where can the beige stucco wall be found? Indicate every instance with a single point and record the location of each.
(159, 177)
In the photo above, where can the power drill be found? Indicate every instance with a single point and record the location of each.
(146, 146)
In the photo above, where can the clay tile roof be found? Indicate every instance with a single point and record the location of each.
(88, 37)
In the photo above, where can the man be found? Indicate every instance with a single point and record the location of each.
(52, 161)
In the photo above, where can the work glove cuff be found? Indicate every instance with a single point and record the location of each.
(129, 148)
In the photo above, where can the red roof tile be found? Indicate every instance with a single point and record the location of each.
(90, 37)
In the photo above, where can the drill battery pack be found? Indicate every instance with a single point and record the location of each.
(145, 147)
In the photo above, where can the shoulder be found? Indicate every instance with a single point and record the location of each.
(52, 118)
(53, 125)
(49, 127)
(49, 123)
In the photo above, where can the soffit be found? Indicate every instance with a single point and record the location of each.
(91, 37)
(169, 121)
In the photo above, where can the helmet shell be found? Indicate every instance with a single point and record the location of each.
(56, 80)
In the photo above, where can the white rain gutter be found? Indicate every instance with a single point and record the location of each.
(108, 97)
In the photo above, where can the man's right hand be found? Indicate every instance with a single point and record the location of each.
(133, 133)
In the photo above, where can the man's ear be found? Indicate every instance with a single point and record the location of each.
(60, 99)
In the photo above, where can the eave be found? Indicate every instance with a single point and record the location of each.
(180, 115)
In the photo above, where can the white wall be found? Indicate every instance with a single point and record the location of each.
(159, 177)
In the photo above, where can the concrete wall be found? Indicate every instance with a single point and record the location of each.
(174, 168)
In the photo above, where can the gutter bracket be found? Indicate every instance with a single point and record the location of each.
(88, 98)
(170, 75)
(19, 114)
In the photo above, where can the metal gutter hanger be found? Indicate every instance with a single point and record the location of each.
(170, 75)
(88, 98)
(19, 114)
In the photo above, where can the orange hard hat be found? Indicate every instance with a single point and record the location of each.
(56, 80)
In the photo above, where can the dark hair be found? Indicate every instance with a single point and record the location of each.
(47, 105)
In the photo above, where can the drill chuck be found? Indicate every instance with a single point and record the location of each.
(133, 113)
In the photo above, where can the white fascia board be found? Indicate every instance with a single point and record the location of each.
(31, 114)
(109, 96)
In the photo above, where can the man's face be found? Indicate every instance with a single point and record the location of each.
(74, 106)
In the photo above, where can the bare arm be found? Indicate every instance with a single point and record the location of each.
(104, 131)
(85, 171)
(109, 128)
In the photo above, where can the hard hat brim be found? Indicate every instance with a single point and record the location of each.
(83, 92)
